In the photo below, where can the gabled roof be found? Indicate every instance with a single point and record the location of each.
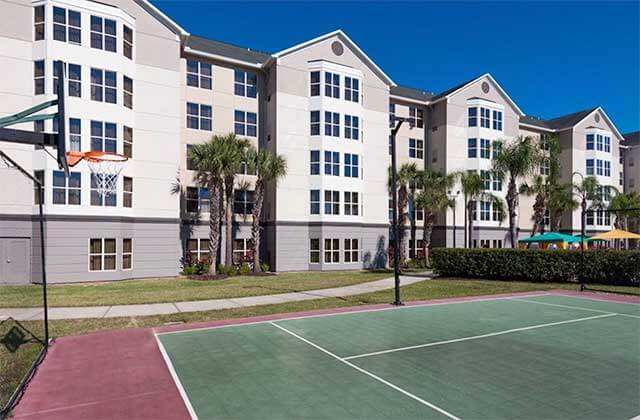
(164, 19)
(340, 34)
(535, 121)
(196, 44)
(454, 89)
(632, 139)
(569, 120)
(411, 93)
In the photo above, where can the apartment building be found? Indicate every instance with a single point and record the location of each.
(630, 153)
(142, 86)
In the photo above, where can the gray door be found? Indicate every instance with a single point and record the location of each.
(14, 261)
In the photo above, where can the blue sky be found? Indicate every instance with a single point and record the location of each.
(553, 58)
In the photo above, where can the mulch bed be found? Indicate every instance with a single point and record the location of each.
(209, 277)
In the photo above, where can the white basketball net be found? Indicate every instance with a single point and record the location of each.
(105, 173)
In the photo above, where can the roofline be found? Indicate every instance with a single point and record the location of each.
(168, 21)
(222, 58)
(338, 32)
(605, 115)
(406, 99)
(536, 127)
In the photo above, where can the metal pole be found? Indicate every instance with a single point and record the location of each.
(396, 229)
(465, 221)
(454, 225)
(582, 240)
(43, 262)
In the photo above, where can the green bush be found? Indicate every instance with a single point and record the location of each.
(244, 268)
(195, 269)
(600, 266)
(265, 267)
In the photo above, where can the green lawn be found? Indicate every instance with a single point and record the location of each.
(130, 292)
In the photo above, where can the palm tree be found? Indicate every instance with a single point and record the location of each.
(407, 174)
(516, 161)
(623, 205)
(473, 190)
(561, 200)
(540, 189)
(268, 167)
(433, 199)
(206, 159)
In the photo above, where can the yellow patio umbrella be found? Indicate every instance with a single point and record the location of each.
(615, 234)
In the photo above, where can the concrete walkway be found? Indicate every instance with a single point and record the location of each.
(113, 311)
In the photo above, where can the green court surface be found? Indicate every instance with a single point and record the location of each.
(546, 356)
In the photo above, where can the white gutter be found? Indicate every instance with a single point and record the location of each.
(190, 50)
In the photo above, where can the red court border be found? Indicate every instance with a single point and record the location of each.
(121, 374)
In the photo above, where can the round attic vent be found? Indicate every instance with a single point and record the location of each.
(597, 118)
(337, 48)
(485, 87)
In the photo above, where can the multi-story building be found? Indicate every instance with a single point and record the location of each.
(141, 86)
(630, 157)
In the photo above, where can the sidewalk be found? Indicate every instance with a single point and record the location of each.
(113, 311)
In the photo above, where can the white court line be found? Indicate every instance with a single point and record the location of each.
(573, 307)
(377, 378)
(391, 308)
(176, 379)
(476, 337)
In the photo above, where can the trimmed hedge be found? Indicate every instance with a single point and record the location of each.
(601, 266)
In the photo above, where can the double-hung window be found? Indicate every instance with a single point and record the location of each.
(331, 202)
(485, 117)
(127, 141)
(127, 92)
(332, 163)
(485, 149)
(314, 162)
(351, 203)
(127, 253)
(351, 127)
(351, 89)
(351, 165)
(127, 42)
(245, 84)
(589, 166)
(74, 79)
(104, 86)
(246, 123)
(590, 141)
(127, 191)
(38, 77)
(416, 148)
(497, 148)
(392, 115)
(315, 83)
(599, 142)
(103, 33)
(497, 120)
(243, 202)
(197, 200)
(331, 85)
(66, 26)
(199, 74)
(104, 137)
(607, 168)
(607, 144)
(198, 250)
(242, 248)
(75, 134)
(102, 254)
(199, 117)
(351, 251)
(472, 117)
(66, 190)
(486, 180)
(314, 251)
(314, 202)
(496, 214)
(472, 148)
(545, 166)
(315, 123)
(331, 251)
(497, 182)
(599, 167)
(38, 23)
(485, 210)
(331, 124)
(417, 116)
(99, 198)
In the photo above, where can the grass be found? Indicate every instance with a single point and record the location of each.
(130, 292)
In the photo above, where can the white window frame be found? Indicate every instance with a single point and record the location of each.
(203, 203)
(331, 124)
(351, 249)
(127, 94)
(331, 163)
(127, 45)
(68, 27)
(351, 203)
(350, 166)
(200, 251)
(241, 124)
(102, 254)
(102, 34)
(314, 163)
(351, 89)
(485, 117)
(127, 194)
(104, 140)
(241, 253)
(39, 26)
(317, 202)
(315, 85)
(199, 117)
(315, 251)
(330, 197)
(416, 148)
(315, 126)
(66, 188)
(39, 79)
(332, 251)
(242, 81)
(130, 254)
(102, 86)
(351, 127)
(331, 85)
(202, 79)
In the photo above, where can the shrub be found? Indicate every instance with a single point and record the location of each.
(244, 268)
(265, 267)
(196, 268)
(600, 266)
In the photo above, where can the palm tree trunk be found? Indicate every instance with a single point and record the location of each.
(402, 220)
(228, 251)
(214, 226)
(427, 229)
(470, 221)
(255, 226)
(512, 203)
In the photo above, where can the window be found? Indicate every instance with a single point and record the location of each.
(472, 148)
(416, 248)
(497, 148)
(331, 85)
(485, 210)
(607, 144)
(497, 120)
(314, 251)
(37, 199)
(127, 192)
(473, 117)
(417, 116)
(199, 74)
(66, 25)
(102, 254)
(351, 165)
(245, 84)
(496, 214)
(332, 251)
(589, 166)
(199, 117)
(38, 77)
(599, 142)
(103, 137)
(127, 42)
(392, 115)
(103, 86)
(545, 167)
(315, 123)
(246, 123)
(497, 182)
(332, 163)
(486, 180)
(198, 250)
(242, 250)
(127, 141)
(590, 141)
(38, 23)
(127, 253)
(599, 170)
(128, 92)
(197, 200)
(416, 148)
(74, 129)
(315, 83)
(351, 127)
(103, 34)
(246, 169)
(74, 80)
(351, 205)
(331, 124)
(314, 159)
(243, 202)
(314, 201)
(485, 117)
(485, 149)
(607, 168)
(107, 199)
(351, 251)
(66, 190)
(331, 202)
(351, 89)
(590, 218)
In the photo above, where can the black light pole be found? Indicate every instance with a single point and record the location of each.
(454, 199)
(394, 199)
(583, 229)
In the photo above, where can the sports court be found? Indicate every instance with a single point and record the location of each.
(528, 356)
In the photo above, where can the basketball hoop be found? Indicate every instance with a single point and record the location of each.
(105, 167)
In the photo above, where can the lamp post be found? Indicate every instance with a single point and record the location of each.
(454, 199)
(583, 228)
